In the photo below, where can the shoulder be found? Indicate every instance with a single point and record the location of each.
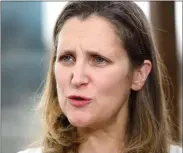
(32, 150)
(175, 149)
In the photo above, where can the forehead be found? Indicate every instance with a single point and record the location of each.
(93, 33)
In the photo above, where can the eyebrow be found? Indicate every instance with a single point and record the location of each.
(88, 52)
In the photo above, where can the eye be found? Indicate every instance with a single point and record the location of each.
(66, 58)
(100, 60)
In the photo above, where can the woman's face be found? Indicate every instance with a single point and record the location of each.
(91, 63)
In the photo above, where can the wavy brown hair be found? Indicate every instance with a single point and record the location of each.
(148, 128)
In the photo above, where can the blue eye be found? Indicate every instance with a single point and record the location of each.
(66, 58)
(100, 60)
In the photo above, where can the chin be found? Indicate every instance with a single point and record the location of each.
(79, 120)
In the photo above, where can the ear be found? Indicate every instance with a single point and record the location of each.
(140, 75)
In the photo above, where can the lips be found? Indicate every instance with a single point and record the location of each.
(78, 97)
(79, 101)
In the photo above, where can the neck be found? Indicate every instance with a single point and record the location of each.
(109, 138)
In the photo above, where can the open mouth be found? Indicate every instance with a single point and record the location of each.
(79, 101)
(78, 98)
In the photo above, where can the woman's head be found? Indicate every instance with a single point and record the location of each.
(104, 51)
(92, 63)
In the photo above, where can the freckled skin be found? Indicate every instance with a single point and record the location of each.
(107, 83)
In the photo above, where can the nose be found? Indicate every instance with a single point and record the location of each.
(79, 76)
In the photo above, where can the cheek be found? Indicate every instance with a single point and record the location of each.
(61, 76)
(112, 92)
(113, 80)
(62, 84)
(112, 87)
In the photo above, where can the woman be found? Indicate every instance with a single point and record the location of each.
(104, 90)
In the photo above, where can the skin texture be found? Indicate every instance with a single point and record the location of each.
(91, 62)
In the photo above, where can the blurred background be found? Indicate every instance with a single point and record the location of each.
(26, 32)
